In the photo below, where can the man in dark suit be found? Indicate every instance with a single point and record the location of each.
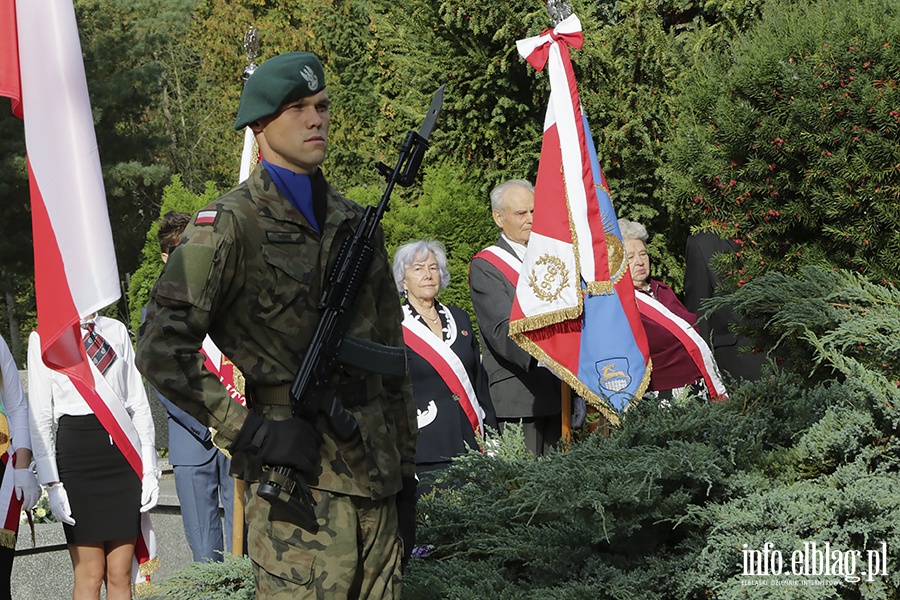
(521, 389)
(201, 470)
(700, 282)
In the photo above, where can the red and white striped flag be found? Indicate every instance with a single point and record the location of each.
(42, 71)
(574, 308)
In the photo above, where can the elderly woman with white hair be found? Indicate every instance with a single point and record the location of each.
(449, 382)
(682, 361)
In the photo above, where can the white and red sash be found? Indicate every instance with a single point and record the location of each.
(114, 417)
(423, 342)
(698, 350)
(10, 507)
(503, 261)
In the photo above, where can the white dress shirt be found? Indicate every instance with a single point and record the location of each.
(518, 248)
(53, 395)
(13, 398)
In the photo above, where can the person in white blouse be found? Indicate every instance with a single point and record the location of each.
(93, 488)
(16, 464)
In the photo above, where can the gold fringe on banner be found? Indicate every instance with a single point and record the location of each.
(556, 317)
(601, 288)
(149, 567)
(5, 438)
(7, 538)
(618, 268)
(142, 589)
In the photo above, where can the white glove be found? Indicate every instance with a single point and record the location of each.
(59, 504)
(149, 491)
(579, 412)
(27, 488)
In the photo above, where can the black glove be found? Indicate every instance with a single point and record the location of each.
(406, 516)
(289, 443)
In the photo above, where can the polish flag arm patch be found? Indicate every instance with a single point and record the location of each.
(206, 217)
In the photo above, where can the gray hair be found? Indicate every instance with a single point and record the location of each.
(409, 253)
(498, 192)
(632, 230)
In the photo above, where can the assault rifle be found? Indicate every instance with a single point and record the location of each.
(309, 392)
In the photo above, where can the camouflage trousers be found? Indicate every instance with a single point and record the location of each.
(355, 554)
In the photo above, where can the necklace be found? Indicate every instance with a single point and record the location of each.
(434, 320)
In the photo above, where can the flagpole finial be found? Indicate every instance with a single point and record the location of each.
(559, 10)
(251, 47)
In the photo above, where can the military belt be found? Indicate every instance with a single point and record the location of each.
(351, 392)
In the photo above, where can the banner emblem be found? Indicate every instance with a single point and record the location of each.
(554, 278)
(613, 374)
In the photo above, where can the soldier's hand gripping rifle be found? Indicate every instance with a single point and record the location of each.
(309, 392)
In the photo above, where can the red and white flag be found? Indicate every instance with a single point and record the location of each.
(42, 71)
(574, 308)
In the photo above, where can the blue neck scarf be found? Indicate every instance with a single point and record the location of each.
(297, 188)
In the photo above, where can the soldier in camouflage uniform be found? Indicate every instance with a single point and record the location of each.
(250, 272)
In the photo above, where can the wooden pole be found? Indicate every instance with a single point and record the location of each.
(237, 518)
(566, 413)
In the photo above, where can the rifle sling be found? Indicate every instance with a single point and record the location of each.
(372, 356)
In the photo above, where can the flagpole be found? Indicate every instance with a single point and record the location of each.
(566, 413)
(251, 47)
(559, 11)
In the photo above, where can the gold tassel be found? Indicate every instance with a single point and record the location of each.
(7, 538)
(144, 588)
(5, 438)
(149, 567)
(601, 288)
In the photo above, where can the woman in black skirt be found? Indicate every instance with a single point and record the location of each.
(94, 491)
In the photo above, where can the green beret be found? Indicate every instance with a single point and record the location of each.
(281, 79)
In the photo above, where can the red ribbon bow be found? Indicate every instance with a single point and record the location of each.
(538, 57)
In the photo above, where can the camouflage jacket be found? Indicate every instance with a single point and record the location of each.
(250, 272)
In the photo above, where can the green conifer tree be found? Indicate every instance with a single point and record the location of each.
(788, 143)
(667, 504)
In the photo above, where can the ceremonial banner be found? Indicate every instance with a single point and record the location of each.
(42, 71)
(575, 309)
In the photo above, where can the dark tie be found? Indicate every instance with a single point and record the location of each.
(98, 349)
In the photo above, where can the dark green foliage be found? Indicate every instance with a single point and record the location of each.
(451, 209)
(626, 72)
(663, 507)
(230, 579)
(121, 42)
(837, 311)
(16, 257)
(494, 105)
(788, 142)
